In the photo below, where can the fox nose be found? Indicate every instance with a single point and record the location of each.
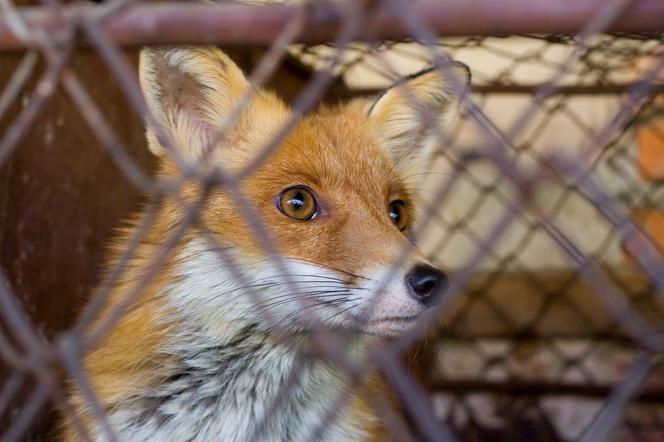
(426, 283)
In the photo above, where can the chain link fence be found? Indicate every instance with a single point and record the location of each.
(543, 204)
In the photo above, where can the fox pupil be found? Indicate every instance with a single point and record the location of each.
(297, 202)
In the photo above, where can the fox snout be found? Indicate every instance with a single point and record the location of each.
(426, 284)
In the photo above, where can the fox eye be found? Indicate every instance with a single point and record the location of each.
(298, 202)
(397, 212)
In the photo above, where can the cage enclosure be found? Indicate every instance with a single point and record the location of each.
(543, 203)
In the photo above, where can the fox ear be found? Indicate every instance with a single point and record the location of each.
(190, 91)
(411, 116)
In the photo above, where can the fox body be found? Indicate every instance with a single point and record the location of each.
(200, 354)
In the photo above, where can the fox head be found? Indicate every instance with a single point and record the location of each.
(337, 197)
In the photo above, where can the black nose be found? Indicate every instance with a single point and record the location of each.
(426, 283)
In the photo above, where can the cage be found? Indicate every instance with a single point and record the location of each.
(543, 202)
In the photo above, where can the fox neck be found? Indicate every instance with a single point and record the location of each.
(222, 372)
(223, 391)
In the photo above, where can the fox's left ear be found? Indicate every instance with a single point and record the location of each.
(412, 116)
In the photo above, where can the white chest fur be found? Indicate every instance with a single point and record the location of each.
(227, 371)
(224, 392)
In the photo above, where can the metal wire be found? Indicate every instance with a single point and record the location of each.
(527, 334)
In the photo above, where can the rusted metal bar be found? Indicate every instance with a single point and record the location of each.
(519, 387)
(591, 89)
(184, 22)
(529, 89)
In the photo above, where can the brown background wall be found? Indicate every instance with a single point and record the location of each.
(61, 196)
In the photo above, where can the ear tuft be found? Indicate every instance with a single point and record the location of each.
(190, 90)
(412, 116)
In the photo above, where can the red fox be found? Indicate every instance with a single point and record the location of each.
(195, 357)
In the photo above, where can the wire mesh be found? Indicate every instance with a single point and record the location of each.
(543, 204)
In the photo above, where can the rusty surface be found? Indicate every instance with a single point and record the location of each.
(55, 224)
(258, 25)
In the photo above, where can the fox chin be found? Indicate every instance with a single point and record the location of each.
(201, 355)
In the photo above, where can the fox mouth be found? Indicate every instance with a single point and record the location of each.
(390, 326)
(393, 319)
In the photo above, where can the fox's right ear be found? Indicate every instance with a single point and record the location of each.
(400, 114)
(190, 91)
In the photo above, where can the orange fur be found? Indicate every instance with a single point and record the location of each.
(337, 151)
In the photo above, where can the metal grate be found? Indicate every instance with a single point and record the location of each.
(543, 205)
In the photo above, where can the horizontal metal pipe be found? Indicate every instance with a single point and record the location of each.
(592, 89)
(534, 388)
(233, 24)
(529, 89)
